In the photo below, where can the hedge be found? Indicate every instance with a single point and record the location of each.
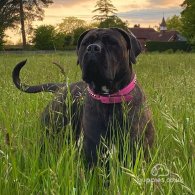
(164, 46)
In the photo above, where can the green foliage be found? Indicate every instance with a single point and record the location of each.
(174, 23)
(93, 25)
(105, 8)
(29, 12)
(44, 37)
(59, 41)
(34, 10)
(69, 24)
(188, 19)
(68, 39)
(113, 21)
(77, 32)
(168, 81)
(72, 27)
(9, 13)
(107, 17)
(170, 46)
(14, 13)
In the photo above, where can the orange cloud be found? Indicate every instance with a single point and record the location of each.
(68, 3)
(164, 3)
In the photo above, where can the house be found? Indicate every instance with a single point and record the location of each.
(150, 34)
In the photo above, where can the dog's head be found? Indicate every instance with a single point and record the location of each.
(105, 57)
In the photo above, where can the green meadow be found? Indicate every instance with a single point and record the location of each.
(169, 83)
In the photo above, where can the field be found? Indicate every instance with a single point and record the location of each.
(169, 83)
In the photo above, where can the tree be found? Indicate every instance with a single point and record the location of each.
(113, 21)
(69, 24)
(31, 10)
(77, 32)
(174, 23)
(105, 8)
(9, 14)
(67, 40)
(13, 12)
(188, 19)
(44, 37)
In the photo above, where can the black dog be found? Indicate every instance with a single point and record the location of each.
(108, 102)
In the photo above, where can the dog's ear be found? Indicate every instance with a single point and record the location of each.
(133, 44)
(79, 42)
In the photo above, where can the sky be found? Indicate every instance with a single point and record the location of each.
(147, 13)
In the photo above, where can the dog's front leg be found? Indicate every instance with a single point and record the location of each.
(54, 117)
(60, 112)
(90, 150)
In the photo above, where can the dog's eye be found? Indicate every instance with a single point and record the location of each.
(85, 43)
(108, 40)
(113, 42)
(88, 40)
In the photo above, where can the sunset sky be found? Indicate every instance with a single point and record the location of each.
(144, 12)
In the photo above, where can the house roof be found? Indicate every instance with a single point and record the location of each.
(163, 36)
(142, 33)
(153, 35)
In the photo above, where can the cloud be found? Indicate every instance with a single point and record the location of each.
(68, 3)
(159, 2)
(122, 4)
(64, 8)
(129, 6)
(149, 15)
(164, 3)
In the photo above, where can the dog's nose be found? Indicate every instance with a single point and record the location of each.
(93, 48)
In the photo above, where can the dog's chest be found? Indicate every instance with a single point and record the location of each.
(101, 119)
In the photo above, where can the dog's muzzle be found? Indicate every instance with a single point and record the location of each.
(94, 48)
(91, 66)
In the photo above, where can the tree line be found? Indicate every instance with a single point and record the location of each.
(21, 14)
(66, 34)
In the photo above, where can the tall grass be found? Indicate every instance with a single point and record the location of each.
(168, 81)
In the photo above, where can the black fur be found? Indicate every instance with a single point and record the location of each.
(107, 66)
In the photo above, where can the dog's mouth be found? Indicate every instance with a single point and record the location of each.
(96, 74)
(97, 80)
(103, 88)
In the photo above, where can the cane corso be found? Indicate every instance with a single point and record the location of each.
(108, 102)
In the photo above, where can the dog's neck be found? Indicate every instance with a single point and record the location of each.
(122, 95)
(123, 79)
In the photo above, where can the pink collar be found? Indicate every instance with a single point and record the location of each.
(118, 97)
